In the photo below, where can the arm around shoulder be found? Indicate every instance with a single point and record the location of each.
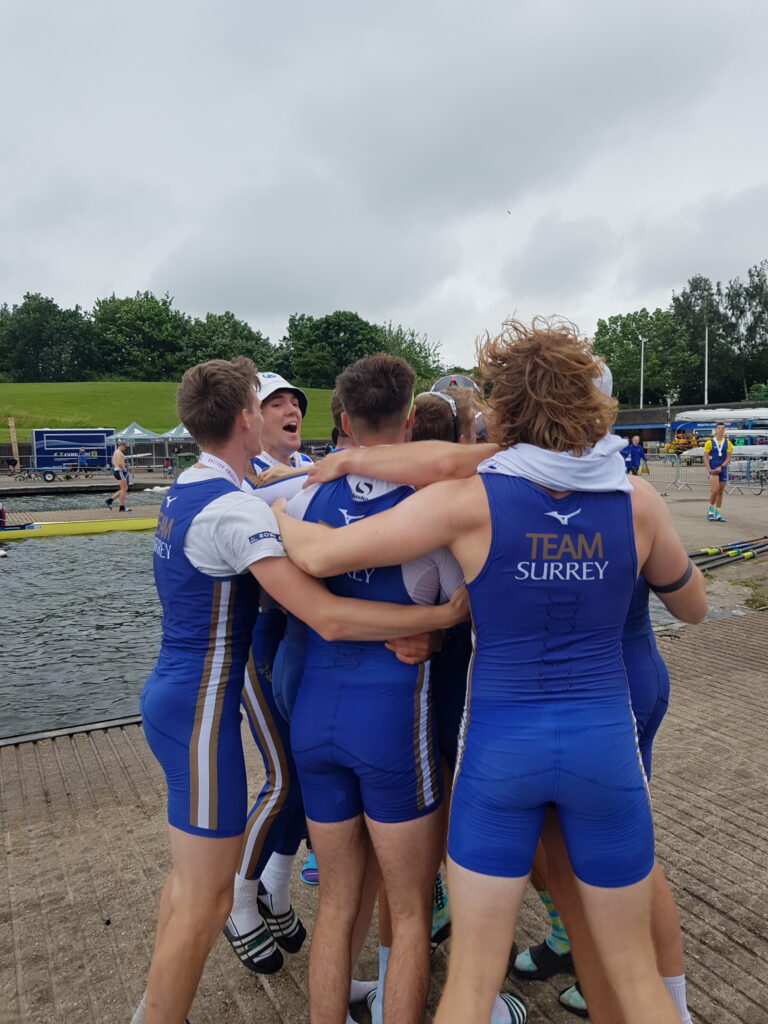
(429, 519)
(336, 618)
(418, 463)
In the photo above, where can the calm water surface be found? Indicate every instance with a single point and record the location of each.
(80, 628)
(48, 503)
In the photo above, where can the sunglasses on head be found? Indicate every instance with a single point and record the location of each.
(451, 406)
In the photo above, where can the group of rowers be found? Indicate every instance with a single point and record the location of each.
(444, 654)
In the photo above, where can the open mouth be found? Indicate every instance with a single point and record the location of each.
(291, 428)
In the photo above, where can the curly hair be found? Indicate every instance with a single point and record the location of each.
(543, 386)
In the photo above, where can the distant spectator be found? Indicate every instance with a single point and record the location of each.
(11, 463)
(634, 455)
(3, 518)
(122, 476)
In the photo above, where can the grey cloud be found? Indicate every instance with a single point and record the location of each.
(719, 237)
(309, 244)
(307, 156)
(560, 260)
(65, 230)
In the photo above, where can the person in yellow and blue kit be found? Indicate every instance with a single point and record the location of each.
(717, 457)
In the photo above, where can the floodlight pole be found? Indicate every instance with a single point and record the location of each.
(642, 367)
(706, 364)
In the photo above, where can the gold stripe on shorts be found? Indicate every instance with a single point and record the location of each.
(277, 772)
(213, 747)
(194, 775)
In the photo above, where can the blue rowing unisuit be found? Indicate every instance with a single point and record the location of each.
(718, 452)
(646, 672)
(549, 720)
(362, 730)
(190, 703)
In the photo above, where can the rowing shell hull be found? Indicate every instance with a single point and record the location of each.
(76, 528)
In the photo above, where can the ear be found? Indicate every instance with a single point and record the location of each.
(345, 425)
(411, 418)
(243, 419)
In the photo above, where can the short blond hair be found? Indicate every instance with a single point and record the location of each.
(543, 386)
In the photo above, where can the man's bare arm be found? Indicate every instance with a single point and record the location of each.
(664, 561)
(418, 463)
(431, 518)
(344, 618)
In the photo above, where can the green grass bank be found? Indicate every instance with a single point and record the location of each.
(116, 405)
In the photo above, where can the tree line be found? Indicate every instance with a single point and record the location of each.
(145, 338)
(733, 318)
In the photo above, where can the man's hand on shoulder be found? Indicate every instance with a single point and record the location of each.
(275, 473)
(330, 468)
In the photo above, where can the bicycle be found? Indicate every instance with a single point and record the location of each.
(758, 479)
(31, 473)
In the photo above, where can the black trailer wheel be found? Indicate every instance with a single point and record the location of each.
(49, 477)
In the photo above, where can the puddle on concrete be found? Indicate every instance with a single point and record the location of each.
(725, 599)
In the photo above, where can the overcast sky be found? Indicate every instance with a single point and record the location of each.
(438, 164)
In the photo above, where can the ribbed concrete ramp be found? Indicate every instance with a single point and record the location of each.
(82, 819)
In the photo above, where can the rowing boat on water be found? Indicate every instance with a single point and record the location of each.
(77, 528)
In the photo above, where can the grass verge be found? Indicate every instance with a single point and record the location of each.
(110, 404)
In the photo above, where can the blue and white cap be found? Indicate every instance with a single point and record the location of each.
(272, 382)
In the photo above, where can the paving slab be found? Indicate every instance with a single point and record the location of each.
(84, 850)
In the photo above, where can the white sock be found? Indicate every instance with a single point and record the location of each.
(383, 961)
(358, 990)
(276, 879)
(676, 989)
(245, 909)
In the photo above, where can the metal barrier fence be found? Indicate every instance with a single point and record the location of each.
(670, 471)
(664, 470)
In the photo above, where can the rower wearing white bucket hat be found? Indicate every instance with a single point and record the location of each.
(283, 408)
(262, 917)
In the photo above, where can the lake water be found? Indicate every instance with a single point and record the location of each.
(80, 625)
(80, 628)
